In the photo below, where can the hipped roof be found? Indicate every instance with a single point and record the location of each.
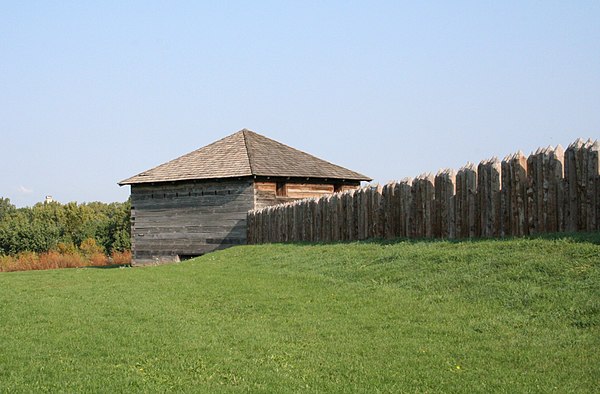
(244, 153)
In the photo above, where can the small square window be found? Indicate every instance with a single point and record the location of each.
(281, 189)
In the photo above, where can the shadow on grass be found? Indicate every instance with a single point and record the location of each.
(587, 237)
(593, 237)
(103, 267)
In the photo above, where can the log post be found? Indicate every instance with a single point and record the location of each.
(466, 189)
(444, 225)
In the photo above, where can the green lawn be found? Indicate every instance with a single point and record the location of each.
(501, 316)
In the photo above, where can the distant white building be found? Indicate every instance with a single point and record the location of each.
(48, 200)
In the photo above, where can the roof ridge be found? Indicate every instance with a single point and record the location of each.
(244, 131)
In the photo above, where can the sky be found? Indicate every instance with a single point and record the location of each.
(92, 93)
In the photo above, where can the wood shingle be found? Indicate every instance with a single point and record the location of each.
(244, 153)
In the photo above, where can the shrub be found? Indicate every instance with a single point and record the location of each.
(121, 258)
(27, 261)
(89, 248)
(98, 259)
(66, 248)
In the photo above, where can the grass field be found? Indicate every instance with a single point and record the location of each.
(481, 316)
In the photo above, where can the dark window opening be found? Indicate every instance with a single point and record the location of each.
(281, 189)
(337, 188)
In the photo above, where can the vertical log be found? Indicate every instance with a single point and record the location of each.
(294, 226)
(556, 192)
(377, 212)
(312, 221)
(363, 217)
(367, 212)
(593, 170)
(304, 221)
(444, 220)
(249, 228)
(291, 222)
(262, 226)
(488, 199)
(272, 225)
(335, 231)
(300, 217)
(256, 238)
(422, 203)
(370, 213)
(393, 210)
(351, 215)
(343, 220)
(280, 225)
(273, 236)
(466, 188)
(323, 212)
(259, 227)
(535, 191)
(514, 195)
(331, 218)
(387, 215)
(403, 201)
(574, 176)
(545, 174)
(358, 217)
(266, 218)
(328, 215)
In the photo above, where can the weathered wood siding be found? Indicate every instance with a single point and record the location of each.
(170, 220)
(266, 194)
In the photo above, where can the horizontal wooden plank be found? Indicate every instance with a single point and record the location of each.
(266, 186)
(207, 200)
(308, 187)
(178, 246)
(208, 185)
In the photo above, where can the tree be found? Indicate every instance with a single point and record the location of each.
(46, 225)
(6, 207)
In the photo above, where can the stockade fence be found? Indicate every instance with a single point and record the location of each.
(552, 190)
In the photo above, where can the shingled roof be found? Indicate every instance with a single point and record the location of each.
(244, 153)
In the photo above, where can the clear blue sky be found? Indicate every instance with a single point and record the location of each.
(94, 92)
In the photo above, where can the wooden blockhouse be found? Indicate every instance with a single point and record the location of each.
(198, 202)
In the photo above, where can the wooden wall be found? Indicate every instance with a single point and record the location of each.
(170, 220)
(552, 190)
(267, 194)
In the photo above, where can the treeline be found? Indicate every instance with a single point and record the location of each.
(88, 229)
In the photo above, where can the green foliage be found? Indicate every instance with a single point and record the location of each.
(519, 315)
(46, 225)
(6, 207)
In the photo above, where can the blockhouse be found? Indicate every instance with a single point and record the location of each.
(198, 202)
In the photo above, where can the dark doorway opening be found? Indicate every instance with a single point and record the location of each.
(183, 257)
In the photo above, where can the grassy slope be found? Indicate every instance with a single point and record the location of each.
(511, 316)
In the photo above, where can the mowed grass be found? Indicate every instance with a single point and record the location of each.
(482, 316)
